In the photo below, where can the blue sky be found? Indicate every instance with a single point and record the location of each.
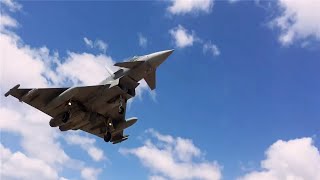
(237, 99)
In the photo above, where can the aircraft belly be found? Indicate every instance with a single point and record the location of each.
(56, 111)
(106, 101)
(77, 118)
(80, 124)
(95, 131)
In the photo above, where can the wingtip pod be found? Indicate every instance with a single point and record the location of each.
(124, 125)
(14, 88)
(120, 140)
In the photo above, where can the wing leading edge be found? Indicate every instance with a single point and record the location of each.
(39, 98)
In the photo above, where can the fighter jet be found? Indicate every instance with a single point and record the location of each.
(98, 109)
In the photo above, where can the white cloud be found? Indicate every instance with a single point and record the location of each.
(161, 137)
(85, 68)
(88, 144)
(143, 41)
(181, 7)
(63, 178)
(174, 158)
(182, 37)
(12, 5)
(90, 173)
(143, 86)
(98, 43)
(18, 166)
(211, 48)
(7, 21)
(14, 58)
(33, 127)
(88, 42)
(157, 178)
(101, 45)
(299, 20)
(294, 159)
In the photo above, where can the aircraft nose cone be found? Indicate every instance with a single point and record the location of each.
(166, 53)
(159, 57)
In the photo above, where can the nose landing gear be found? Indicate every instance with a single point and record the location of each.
(121, 108)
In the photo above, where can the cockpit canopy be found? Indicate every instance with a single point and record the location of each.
(134, 58)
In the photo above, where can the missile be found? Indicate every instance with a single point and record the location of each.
(120, 140)
(73, 116)
(73, 125)
(123, 125)
(30, 95)
(80, 123)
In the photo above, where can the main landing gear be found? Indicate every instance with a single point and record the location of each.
(107, 130)
(107, 137)
(66, 115)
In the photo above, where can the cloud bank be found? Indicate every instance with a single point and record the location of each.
(182, 7)
(297, 21)
(98, 43)
(293, 159)
(211, 48)
(183, 38)
(168, 157)
(143, 41)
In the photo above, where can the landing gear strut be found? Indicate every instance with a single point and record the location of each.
(66, 115)
(121, 108)
(107, 129)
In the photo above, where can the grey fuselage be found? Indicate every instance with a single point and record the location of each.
(148, 64)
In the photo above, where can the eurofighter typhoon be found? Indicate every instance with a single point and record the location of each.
(99, 109)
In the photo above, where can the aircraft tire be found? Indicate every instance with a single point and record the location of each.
(65, 117)
(107, 137)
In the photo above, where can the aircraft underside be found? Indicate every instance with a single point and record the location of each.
(106, 120)
(98, 109)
